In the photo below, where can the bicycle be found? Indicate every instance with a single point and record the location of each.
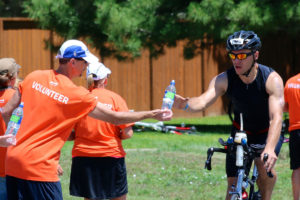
(161, 127)
(244, 157)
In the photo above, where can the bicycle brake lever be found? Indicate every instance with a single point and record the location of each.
(221, 141)
(207, 165)
(210, 152)
(265, 160)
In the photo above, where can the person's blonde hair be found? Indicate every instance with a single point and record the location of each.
(90, 82)
(18, 81)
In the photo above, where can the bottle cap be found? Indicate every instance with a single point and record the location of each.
(173, 82)
(21, 104)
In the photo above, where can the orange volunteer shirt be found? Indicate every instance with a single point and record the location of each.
(52, 105)
(5, 96)
(95, 138)
(292, 97)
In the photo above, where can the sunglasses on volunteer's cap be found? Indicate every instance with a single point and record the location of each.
(81, 59)
(240, 56)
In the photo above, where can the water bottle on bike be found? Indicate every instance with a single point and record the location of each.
(240, 139)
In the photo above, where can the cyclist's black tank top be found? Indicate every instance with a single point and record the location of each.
(250, 99)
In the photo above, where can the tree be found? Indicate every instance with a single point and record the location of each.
(123, 27)
(11, 8)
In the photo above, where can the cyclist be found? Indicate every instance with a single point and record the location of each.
(256, 91)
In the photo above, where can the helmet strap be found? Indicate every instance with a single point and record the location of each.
(247, 73)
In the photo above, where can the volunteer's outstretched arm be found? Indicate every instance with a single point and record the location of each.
(101, 112)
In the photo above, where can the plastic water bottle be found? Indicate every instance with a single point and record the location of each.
(15, 120)
(239, 156)
(169, 96)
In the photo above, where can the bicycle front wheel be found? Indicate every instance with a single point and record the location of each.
(235, 197)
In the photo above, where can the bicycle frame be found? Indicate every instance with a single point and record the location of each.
(252, 181)
(161, 127)
(239, 189)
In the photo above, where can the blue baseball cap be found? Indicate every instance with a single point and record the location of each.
(76, 49)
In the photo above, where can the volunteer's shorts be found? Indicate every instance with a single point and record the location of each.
(294, 145)
(3, 192)
(98, 177)
(32, 190)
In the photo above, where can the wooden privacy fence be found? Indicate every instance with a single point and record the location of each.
(142, 82)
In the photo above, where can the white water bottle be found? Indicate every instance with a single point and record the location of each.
(15, 120)
(169, 96)
(239, 139)
(239, 156)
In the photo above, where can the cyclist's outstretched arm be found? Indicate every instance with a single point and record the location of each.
(274, 87)
(217, 87)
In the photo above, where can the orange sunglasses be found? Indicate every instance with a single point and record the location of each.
(240, 56)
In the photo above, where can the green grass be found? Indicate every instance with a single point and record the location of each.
(168, 166)
(216, 120)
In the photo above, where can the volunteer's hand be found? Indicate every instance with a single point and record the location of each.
(7, 140)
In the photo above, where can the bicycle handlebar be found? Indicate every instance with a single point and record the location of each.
(210, 153)
(228, 148)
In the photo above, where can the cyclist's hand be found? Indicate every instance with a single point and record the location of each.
(180, 102)
(272, 158)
